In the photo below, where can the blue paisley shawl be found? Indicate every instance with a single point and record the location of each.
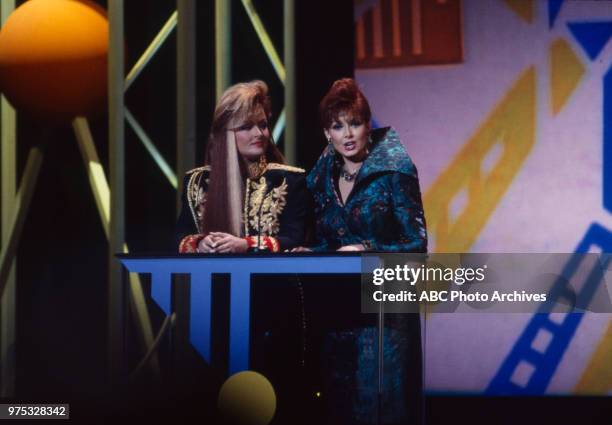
(383, 212)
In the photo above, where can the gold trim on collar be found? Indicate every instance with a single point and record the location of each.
(257, 169)
(199, 169)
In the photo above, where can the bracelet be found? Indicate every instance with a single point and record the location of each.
(266, 243)
(189, 244)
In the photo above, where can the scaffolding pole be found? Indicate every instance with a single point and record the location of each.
(116, 133)
(8, 191)
(185, 92)
(223, 46)
(290, 81)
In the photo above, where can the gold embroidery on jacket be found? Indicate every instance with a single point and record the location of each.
(264, 209)
(197, 196)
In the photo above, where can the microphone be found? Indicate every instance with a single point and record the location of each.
(257, 249)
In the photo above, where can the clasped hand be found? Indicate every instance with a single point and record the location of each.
(222, 243)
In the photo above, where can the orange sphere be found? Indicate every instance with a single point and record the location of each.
(53, 58)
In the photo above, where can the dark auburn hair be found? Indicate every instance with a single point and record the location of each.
(238, 104)
(344, 97)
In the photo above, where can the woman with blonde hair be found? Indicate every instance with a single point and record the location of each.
(244, 197)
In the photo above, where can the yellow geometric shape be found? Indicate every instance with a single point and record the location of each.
(523, 8)
(597, 377)
(247, 398)
(511, 124)
(566, 70)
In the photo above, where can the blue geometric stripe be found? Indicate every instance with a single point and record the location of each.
(592, 36)
(545, 364)
(554, 7)
(607, 140)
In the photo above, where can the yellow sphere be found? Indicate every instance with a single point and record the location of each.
(53, 58)
(247, 398)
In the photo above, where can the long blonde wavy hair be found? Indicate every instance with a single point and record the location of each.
(225, 197)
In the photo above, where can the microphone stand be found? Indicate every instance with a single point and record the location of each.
(257, 249)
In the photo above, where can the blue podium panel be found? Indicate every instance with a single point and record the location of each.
(240, 268)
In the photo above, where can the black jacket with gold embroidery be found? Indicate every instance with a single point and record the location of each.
(274, 208)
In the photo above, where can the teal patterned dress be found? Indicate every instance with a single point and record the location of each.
(383, 212)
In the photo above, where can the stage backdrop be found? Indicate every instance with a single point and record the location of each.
(506, 108)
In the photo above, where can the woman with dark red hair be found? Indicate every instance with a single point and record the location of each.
(367, 198)
(365, 186)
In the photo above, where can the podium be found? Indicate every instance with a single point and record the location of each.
(240, 268)
(192, 299)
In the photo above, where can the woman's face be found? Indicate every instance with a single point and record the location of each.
(253, 136)
(349, 137)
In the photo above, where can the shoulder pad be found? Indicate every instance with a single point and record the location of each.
(199, 169)
(277, 166)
